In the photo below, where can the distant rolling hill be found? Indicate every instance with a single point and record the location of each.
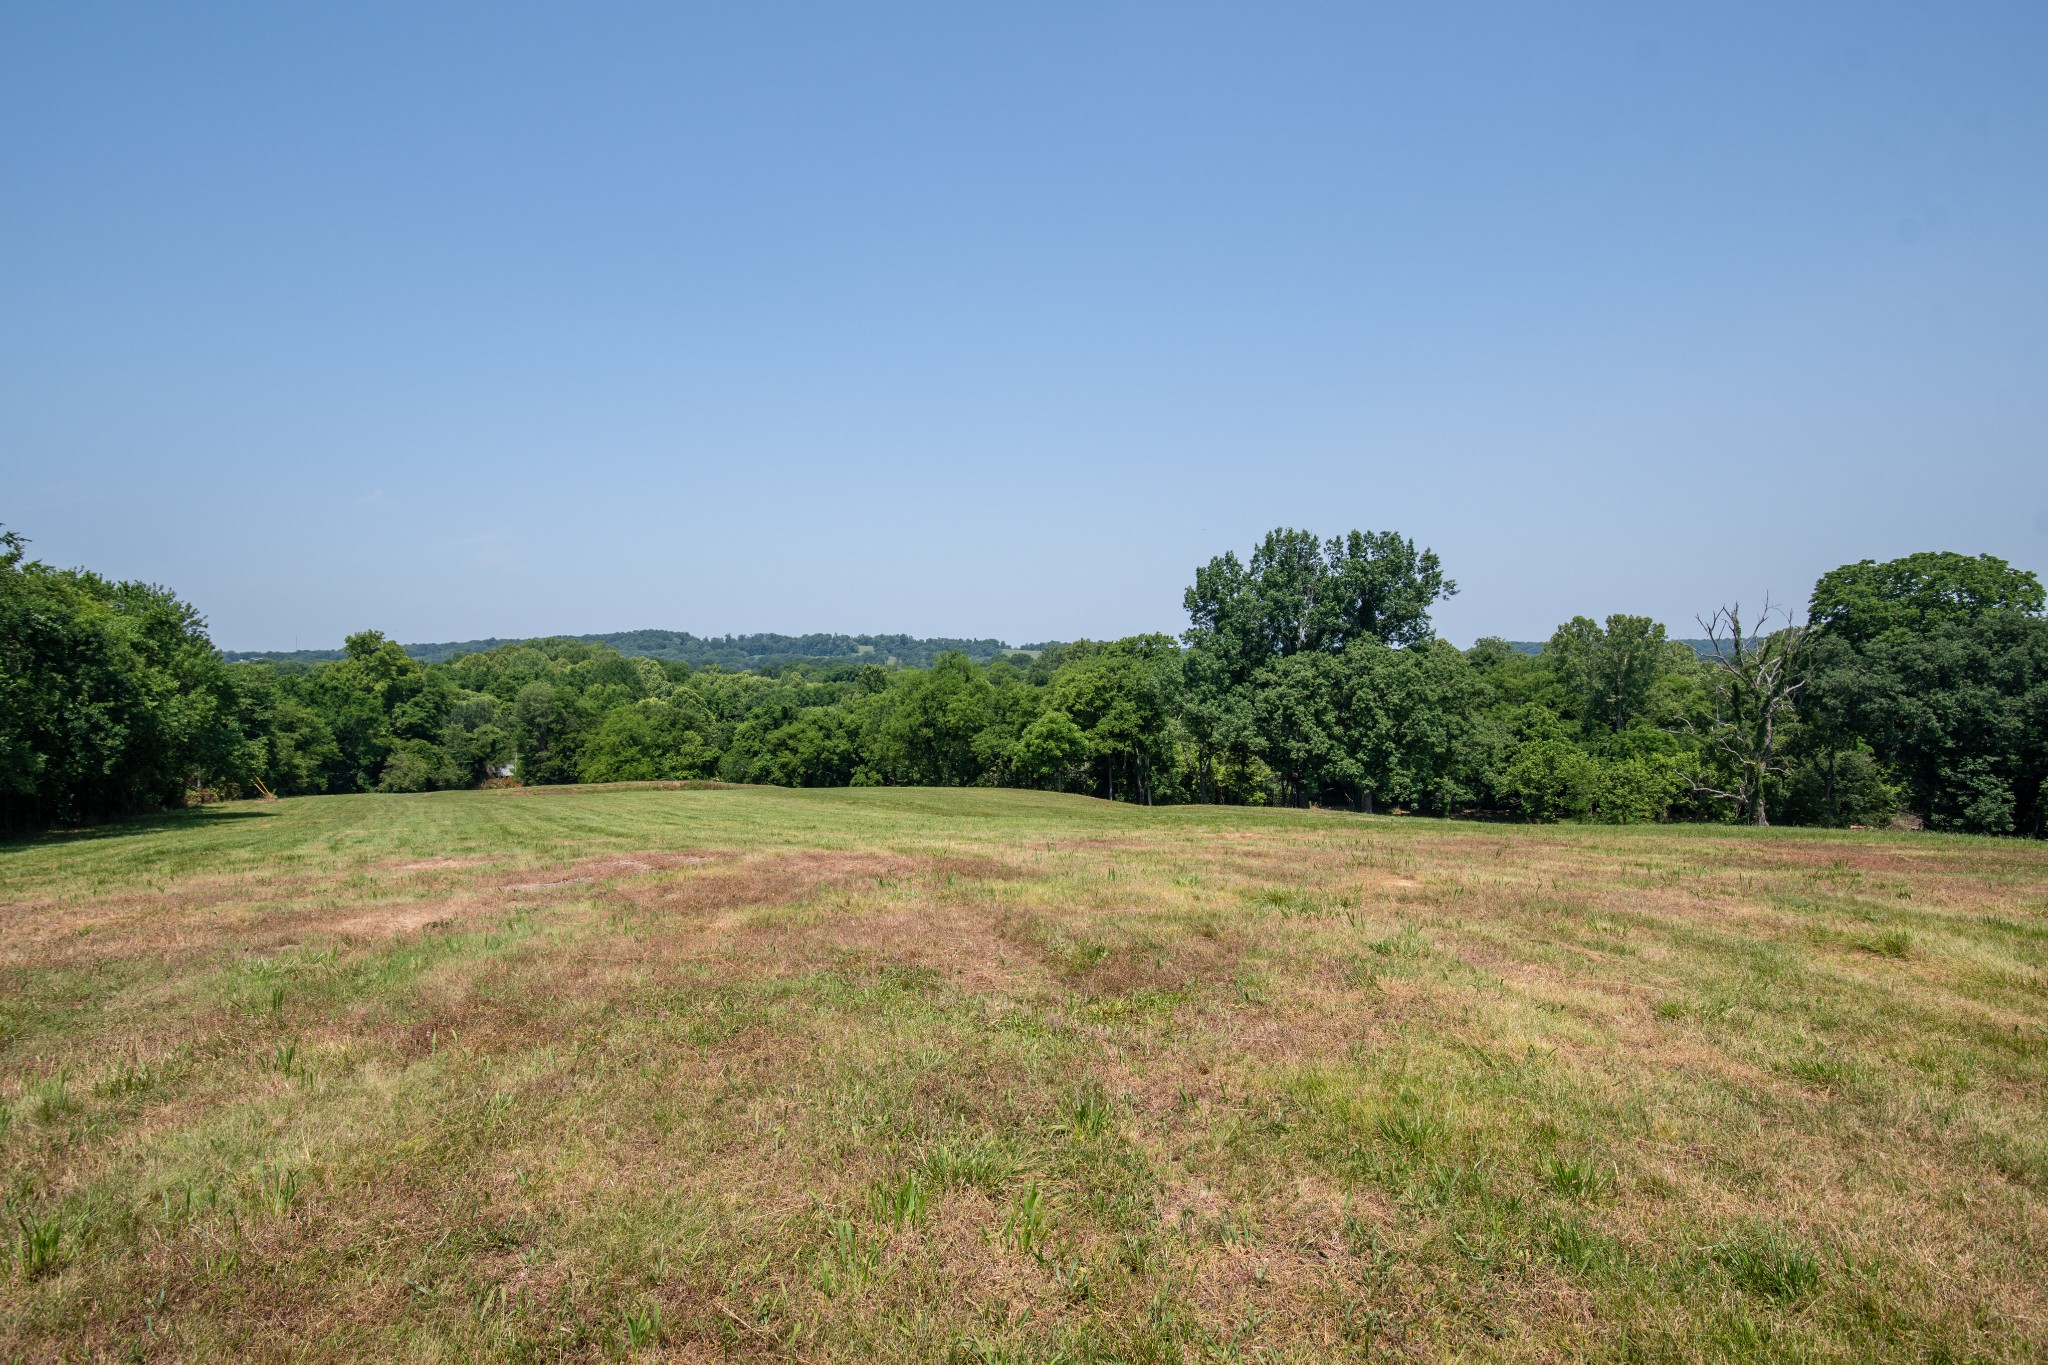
(735, 652)
(1703, 648)
(724, 651)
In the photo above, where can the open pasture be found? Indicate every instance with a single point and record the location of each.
(744, 1073)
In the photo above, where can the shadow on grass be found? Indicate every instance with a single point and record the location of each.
(139, 824)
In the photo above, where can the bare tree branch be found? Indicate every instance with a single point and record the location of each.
(1755, 684)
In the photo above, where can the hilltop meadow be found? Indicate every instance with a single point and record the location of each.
(693, 1072)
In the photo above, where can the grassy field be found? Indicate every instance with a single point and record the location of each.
(704, 1073)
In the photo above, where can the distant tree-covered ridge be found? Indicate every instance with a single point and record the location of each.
(1309, 674)
(732, 652)
(1702, 647)
(743, 652)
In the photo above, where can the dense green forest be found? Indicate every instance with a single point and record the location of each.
(1308, 673)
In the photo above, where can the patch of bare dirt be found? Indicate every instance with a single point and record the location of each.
(774, 879)
(1099, 960)
(610, 867)
(978, 867)
(402, 919)
(193, 917)
(958, 944)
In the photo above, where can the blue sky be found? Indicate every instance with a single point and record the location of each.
(976, 320)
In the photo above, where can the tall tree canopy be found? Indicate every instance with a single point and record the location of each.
(1300, 595)
(1608, 671)
(1936, 666)
(1263, 640)
(1862, 601)
(112, 699)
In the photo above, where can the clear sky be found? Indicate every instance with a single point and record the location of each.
(495, 319)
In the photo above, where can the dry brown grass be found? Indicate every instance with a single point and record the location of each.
(634, 1071)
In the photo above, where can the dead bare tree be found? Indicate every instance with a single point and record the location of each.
(1754, 678)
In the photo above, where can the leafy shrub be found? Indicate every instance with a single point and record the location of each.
(1552, 779)
(418, 765)
(1839, 789)
(1555, 779)
(1634, 791)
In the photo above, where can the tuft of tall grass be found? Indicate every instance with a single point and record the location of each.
(1074, 1279)
(278, 1189)
(1090, 1113)
(1823, 1073)
(642, 1324)
(1577, 1249)
(1574, 1178)
(38, 1244)
(983, 1166)
(1410, 1130)
(50, 1099)
(1362, 1239)
(1292, 903)
(1025, 1227)
(128, 1077)
(898, 1204)
(1408, 944)
(1767, 1263)
(848, 1262)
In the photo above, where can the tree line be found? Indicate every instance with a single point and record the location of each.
(1309, 673)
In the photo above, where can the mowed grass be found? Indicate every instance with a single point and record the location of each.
(708, 1073)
